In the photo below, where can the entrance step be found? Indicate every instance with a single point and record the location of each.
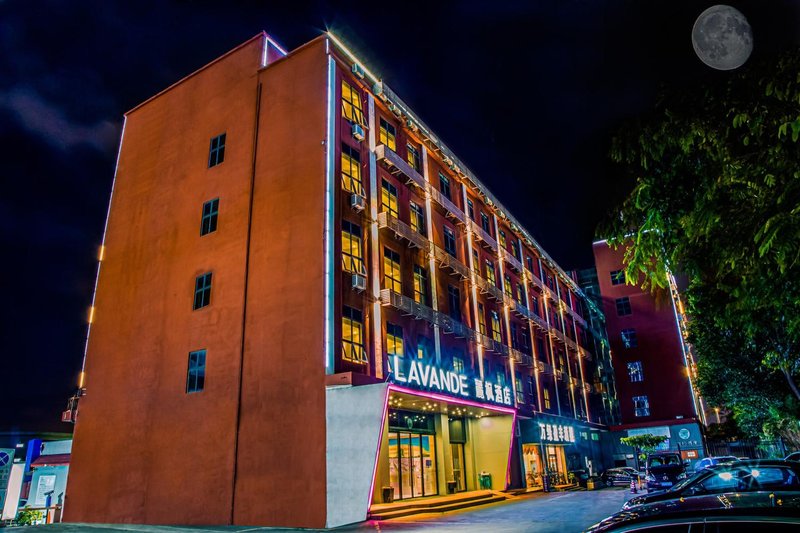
(434, 505)
(570, 488)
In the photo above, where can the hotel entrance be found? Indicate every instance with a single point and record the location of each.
(412, 465)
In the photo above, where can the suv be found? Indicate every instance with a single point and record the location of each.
(702, 464)
(663, 470)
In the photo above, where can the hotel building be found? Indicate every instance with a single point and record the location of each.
(308, 305)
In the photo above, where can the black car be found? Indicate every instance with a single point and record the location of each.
(664, 469)
(743, 476)
(618, 476)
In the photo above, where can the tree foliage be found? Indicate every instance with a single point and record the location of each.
(646, 441)
(717, 197)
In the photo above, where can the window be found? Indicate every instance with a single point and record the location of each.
(481, 319)
(202, 290)
(470, 209)
(520, 392)
(521, 294)
(546, 397)
(485, 223)
(417, 219)
(454, 302)
(531, 385)
(529, 263)
(534, 305)
(351, 104)
(391, 270)
(507, 286)
(496, 335)
(394, 340)
(450, 241)
(208, 223)
(629, 339)
(476, 262)
(423, 347)
(526, 341)
(641, 407)
(413, 157)
(351, 170)
(389, 198)
(458, 365)
(623, 306)
(516, 249)
(420, 285)
(635, 371)
(490, 276)
(352, 256)
(502, 238)
(514, 336)
(444, 185)
(353, 336)
(216, 152)
(617, 277)
(196, 374)
(388, 135)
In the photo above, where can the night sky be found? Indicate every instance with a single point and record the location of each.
(526, 93)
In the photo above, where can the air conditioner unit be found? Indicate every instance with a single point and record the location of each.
(377, 88)
(410, 124)
(358, 202)
(358, 70)
(358, 132)
(359, 282)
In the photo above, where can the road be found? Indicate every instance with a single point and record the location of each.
(559, 512)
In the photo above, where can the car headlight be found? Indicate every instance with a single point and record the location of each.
(681, 476)
(650, 477)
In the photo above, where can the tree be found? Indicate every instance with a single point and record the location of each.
(717, 197)
(646, 442)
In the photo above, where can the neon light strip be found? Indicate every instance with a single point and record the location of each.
(276, 45)
(378, 451)
(511, 447)
(102, 255)
(329, 220)
(673, 289)
(352, 56)
(450, 399)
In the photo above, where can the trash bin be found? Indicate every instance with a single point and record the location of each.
(485, 480)
(388, 494)
(590, 484)
(451, 487)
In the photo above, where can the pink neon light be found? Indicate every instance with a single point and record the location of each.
(511, 447)
(378, 451)
(443, 398)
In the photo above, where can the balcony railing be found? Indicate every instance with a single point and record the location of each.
(397, 165)
(535, 281)
(452, 210)
(519, 309)
(578, 318)
(558, 335)
(515, 263)
(492, 345)
(445, 260)
(538, 322)
(484, 237)
(571, 344)
(488, 288)
(402, 230)
(407, 305)
(521, 358)
(544, 367)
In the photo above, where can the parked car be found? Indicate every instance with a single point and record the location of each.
(741, 476)
(792, 457)
(723, 512)
(619, 476)
(712, 461)
(663, 470)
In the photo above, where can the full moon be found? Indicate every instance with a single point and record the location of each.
(722, 38)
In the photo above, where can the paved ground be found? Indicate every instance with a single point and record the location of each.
(560, 512)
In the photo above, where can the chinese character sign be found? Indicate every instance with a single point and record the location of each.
(556, 433)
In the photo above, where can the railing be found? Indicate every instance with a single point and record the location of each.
(484, 237)
(578, 318)
(515, 263)
(571, 344)
(535, 281)
(407, 305)
(448, 204)
(396, 165)
(586, 354)
(519, 309)
(401, 229)
(558, 335)
(446, 260)
(492, 345)
(488, 288)
(521, 358)
(538, 321)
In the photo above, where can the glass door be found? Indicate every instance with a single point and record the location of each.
(412, 464)
(459, 473)
(430, 481)
(405, 466)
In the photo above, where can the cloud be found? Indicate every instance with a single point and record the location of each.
(45, 120)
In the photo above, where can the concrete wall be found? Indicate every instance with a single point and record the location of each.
(491, 439)
(353, 433)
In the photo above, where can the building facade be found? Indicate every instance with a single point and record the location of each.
(307, 304)
(653, 362)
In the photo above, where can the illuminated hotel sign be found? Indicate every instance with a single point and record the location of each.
(424, 376)
(556, 433)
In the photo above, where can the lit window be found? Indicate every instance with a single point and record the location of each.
(635, 371)
(476, 262)
(412, 157)
(389, 198)
(351, 170)
(444, 186)
(352, 256)
(216, 152)
(623, 306)
(521, 294)
(520, 392)
(196, 374)
(391, 270)
(454, 301)
(417, 219)
(641, 407)
(502, 238)
(485, 223)
(420, 285)
(617, 277)
(507, 286)
(629, 339)
(470, 209)
(351, 104)
(208, 223)
(516, 249)
(450, 241)
(458, 364)
(481, 319)
(202, 290)
(496, 335)
(388, 135)
(353, 336)
(423, 350)
(546, 397)
(529, 263)
(394, 340)
(490, 276)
